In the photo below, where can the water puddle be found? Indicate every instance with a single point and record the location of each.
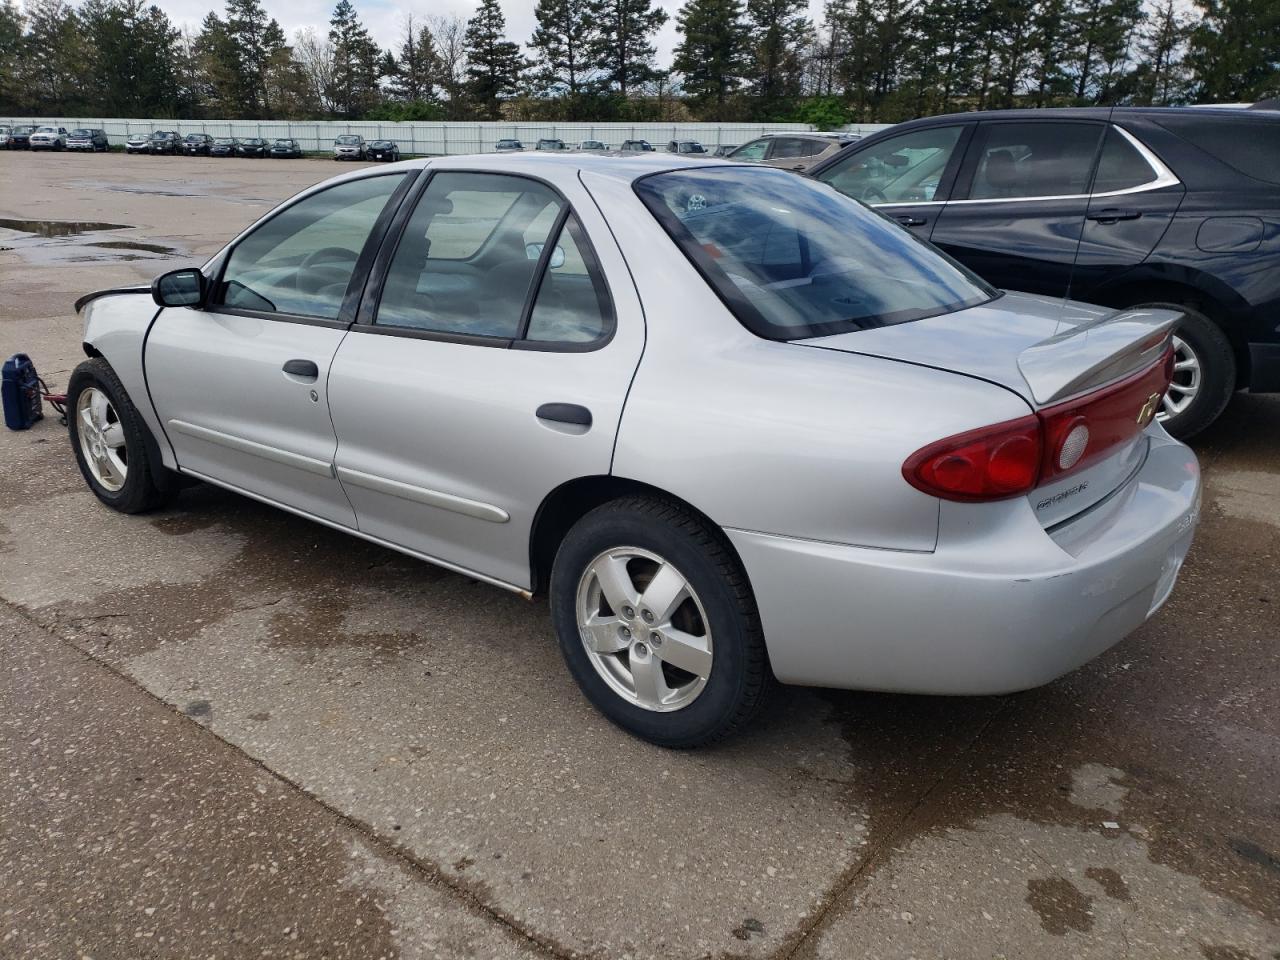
(59, 228)
(134, 245)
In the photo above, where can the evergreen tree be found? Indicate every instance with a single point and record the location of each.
(53, 63)
(356, 58)
(495, 63)
(562, 43)
(1160, 76)
(623, 48)
(413, 72)
(778, 32)
(133, 51)
(11, 27)
(712, 55)
(1235, 51)
(219, 77)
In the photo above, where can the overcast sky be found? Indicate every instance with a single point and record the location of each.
(383, 17)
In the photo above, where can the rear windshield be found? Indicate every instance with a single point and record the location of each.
(1250, 146)
(793, 258)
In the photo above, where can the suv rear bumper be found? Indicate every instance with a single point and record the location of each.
(999, 606)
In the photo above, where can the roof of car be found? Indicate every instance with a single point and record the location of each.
(1074, 113)
(619, 165)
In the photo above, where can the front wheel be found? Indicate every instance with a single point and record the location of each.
(657, 623)
(108, 437)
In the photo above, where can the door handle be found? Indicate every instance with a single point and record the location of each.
(1113, 215)
(907, 220)
(305, 369)
(565, 413)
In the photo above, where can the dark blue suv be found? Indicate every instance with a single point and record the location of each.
(1119, 207)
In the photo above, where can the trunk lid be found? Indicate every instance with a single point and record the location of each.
(1047, 351)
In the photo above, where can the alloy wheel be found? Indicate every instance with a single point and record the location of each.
(1187, 378)
(102, 439)
(644, 629)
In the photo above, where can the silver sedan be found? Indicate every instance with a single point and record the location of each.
(733, 425)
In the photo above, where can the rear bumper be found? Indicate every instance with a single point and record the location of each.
(1006, 609)
(1264, 368)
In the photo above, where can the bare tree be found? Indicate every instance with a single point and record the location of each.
(449, 33)
(314, 54)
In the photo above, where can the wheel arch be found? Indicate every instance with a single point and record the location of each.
(566, 504)
(1193, 289)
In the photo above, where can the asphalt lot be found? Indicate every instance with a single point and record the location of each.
(227, 732)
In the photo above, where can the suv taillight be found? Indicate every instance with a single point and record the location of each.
(1012, 458)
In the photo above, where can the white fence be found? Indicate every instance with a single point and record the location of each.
(437, 138)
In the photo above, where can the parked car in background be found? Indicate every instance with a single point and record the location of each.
(91, 140)
(165, 141)
(223, 147)
(725, 149)
(792, 151)
(953, 490)
(20, 138)
(285, 148)
(196, 144)
(592, 146)
(137, 143)
(1119, 207)
(49, 138)
(636, 146)
(251, 147)
(550, 143)
(5, 134)
(349, 146)
(508, 145)
(384, 150)
(685, 146)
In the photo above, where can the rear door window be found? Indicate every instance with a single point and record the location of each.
(1121, 166)
(1026, 160)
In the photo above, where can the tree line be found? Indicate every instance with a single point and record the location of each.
(736, 60)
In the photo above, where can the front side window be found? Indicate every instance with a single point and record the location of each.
(301, 261)
(468, 255)
(755, 150)
(1025, 160)
(794, 259)
(904, 169)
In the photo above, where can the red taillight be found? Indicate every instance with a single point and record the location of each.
(1012, 458)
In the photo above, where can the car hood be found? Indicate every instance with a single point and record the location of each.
(1041, 348)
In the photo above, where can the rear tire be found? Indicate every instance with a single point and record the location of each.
(1204, 376)
(109, 439)
(682, 664)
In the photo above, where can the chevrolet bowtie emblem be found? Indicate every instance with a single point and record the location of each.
(1148, 410)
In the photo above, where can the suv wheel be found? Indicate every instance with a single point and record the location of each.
(657, 623)
(1204, 373)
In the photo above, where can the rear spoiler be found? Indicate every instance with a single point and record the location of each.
(1096, 353)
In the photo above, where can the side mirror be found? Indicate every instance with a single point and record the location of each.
(533, 251)
(179, 288)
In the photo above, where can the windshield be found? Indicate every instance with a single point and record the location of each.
(252, 142)
(224, 141)
(348, 138)
(381, 144)
(284, 143)
(793, 258)
(81, 133)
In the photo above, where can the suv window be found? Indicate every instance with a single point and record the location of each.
(572, 305)
(786, 148)
(755, 150)
(1017, 160)
(1247, 145)
(430, 286)
(1120, 166)
(903, 169)
(301, 260)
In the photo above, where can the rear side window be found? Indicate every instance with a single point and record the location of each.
(1121, 166)
(572, 305)
(1023, 160)
(1249, 146)
(785, 148)
(794, 259)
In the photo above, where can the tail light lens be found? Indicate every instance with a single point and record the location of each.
(1012, 458)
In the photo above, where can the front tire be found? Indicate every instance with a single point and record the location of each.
(109, 439)
(657, 623)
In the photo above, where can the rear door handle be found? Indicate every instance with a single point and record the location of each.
(1113, 215)
(304, 369)
(907, 220)
(565, 413)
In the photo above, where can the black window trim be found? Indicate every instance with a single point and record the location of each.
(351, 299)
(366, 315)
